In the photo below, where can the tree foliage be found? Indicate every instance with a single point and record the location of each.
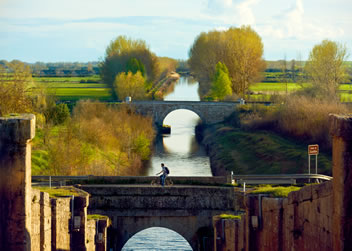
(134, 65)
(240, 49)
(118, 56)
(130, 85)
(325, 67)
(15, 81)
(221, 85)
(57, 114)
(98, 140)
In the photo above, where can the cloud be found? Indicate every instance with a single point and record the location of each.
(245, 12)
(294, 24)
(232, 12)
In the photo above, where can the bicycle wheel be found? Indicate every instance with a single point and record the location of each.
(154, 182)
(168, 182)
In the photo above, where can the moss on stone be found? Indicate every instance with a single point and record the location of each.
(230, 216)
(59, 192)
(279, 191)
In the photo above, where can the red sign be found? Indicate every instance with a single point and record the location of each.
(313, 149)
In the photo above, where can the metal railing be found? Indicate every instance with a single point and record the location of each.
(279, 178)
(195, 180)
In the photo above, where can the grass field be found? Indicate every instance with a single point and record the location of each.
(253, 152)
(75, 88)
(264, 91)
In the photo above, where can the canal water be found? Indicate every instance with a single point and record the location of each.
(180, 151)
(182, 154)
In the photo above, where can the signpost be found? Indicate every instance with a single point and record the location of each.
(313, 150)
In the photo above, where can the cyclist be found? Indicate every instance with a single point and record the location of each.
(164, 172)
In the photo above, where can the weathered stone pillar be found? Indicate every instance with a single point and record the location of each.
(341, 130)
(16, 133)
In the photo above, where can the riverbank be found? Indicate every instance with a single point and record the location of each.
(257, 152)
(165, 85)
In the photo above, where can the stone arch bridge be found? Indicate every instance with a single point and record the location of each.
(187, 210)
(209, 112)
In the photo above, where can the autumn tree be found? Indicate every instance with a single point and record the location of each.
(119, 53)
(134, 65)
(15, 82)
(221, 85)
(325, 67)
(130, 85)
(240, 49)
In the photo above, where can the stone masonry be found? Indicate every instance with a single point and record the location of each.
(16, 133)
(315, 218)
(209, 112)
(29, 218)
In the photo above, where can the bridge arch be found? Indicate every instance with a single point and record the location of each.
(195, 233)
(187, 210)
(159, 232)
(209, 112)
(171, 110)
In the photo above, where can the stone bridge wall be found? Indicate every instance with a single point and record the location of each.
(209, 112)
(184, 209)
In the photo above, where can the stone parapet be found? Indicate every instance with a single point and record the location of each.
(16, 133)
(341, 130)
(17, 129)
(341, 126)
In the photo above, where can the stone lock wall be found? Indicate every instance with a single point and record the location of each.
(52, 229)
(303, 221)
(315, 218)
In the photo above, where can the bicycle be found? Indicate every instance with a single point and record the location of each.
(156, 181)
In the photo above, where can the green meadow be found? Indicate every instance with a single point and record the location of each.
(264, 91)
(75, 88)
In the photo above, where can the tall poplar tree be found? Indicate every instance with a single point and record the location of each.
(221, 85)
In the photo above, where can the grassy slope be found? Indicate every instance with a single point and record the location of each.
(262, 152)
(263, 91)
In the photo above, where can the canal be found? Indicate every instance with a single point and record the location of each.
(184, 156)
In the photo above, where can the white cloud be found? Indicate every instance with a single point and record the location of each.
(245, 12)
(294, 24)
(232, 12)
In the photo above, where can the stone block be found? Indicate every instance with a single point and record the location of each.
(15, 181)
(305, 194)
(322, 190)
(90, 232)
(272, 204)
(293, 197)
(341, 126)
(17, 129)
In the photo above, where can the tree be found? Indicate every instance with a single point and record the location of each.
(221, 85)
(240, 49)
(134, 65)
(130, 85)
(243, 57)
(15, 81)
(120, 52)
(325, 67)
(57, 114)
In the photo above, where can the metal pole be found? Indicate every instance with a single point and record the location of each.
(316, 164)
(309, 166)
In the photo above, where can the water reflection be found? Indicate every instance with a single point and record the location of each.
(154, 239)
(180, 151)
(185, 89)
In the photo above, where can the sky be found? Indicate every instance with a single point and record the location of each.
(80, 30)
